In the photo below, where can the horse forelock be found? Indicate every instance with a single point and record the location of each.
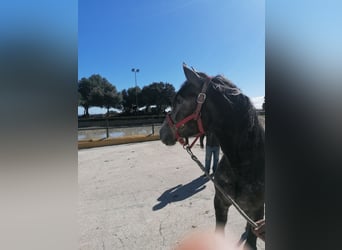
(225, 86)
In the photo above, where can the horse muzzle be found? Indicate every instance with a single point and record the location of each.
(167, 135)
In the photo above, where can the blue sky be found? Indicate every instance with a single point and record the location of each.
(214, 36)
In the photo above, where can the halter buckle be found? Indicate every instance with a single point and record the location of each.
(201, 97)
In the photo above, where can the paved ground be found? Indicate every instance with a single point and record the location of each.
(144, 196)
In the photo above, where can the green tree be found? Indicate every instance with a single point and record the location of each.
(85, 87)
(168, 94)
(159, 94)
(130, 97)
(82, 103)
(97, 91)
(111, 98)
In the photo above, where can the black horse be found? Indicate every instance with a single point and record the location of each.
(220, 107)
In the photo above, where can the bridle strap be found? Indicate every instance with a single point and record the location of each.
(202, 97)
(196, 116)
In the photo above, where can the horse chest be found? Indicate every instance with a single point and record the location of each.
(240, 186)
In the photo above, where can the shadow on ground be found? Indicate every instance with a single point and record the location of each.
(181, 192)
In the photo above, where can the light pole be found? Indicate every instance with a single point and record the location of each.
(136, 89)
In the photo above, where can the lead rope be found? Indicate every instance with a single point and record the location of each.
(218, 187)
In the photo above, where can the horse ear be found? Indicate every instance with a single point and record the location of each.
(190, 74)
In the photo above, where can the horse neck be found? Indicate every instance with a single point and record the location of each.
(241, 137)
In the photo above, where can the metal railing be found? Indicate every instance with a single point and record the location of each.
(125, 123)
(104, 132)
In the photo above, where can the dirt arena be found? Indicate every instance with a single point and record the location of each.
(145, 196)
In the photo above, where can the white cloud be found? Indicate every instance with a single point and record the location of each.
(257, 101)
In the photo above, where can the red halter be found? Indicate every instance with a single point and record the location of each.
(196, 116)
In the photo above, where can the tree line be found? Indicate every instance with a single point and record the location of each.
(97, 91)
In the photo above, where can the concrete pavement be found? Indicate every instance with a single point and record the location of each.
(144, 196)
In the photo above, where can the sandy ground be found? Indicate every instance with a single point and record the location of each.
(144, 196)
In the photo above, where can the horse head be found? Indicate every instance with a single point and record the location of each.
(185, 118)
(207, 103)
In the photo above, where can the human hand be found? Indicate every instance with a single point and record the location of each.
(260, 230)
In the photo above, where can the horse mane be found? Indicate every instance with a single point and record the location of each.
(235, 98)
(251, 133)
